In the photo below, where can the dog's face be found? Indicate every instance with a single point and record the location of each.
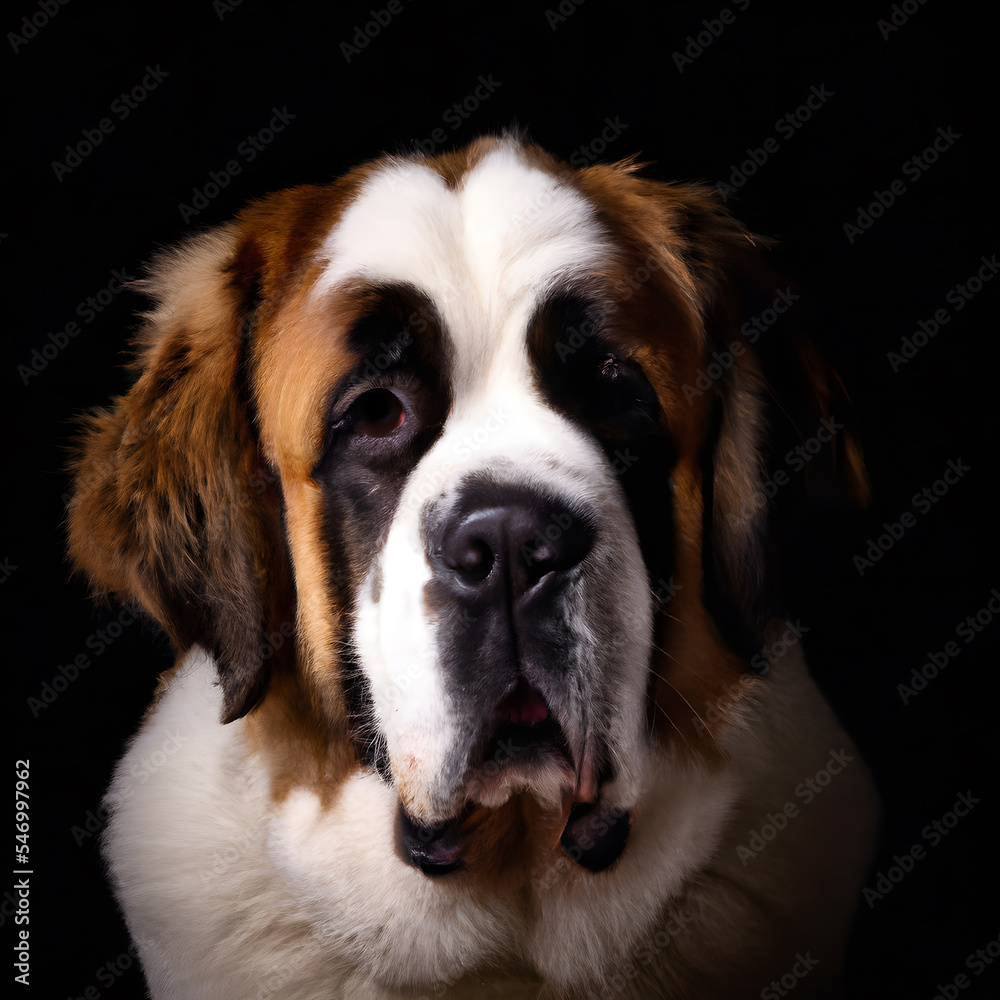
(426, 460)
(498, 575)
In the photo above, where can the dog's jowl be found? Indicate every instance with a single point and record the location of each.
(474, 693)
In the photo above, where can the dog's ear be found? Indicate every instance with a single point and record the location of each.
(780, 438)
(761, 391)
(172, 504)
(727, 392)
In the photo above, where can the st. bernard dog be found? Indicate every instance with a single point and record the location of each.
(446, 480)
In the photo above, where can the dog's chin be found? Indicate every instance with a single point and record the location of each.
(525, 753)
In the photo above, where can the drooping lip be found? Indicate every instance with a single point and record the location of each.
(524, 727)
(524, 750)
(435, 850)
(594, 836)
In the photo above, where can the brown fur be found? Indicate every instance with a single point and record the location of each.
(194, 492)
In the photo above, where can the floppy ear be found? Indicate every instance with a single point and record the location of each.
(739, 394)
(758, 388)
(170, 506)
(728, 392)
(780, 434)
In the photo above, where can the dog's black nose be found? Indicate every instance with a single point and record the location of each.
(506, 545)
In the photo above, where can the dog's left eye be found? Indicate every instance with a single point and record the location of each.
(377, 413)
(613, 393)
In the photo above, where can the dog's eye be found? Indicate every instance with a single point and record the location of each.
(619, 392)
(377, 413)
(611, 378)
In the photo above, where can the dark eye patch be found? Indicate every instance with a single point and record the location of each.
(592, 381)
(392, 402)
(601, 387)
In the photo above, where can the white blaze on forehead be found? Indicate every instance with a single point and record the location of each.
(485, 252)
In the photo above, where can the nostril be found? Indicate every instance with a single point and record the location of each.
(559, 543)
(535, 560)
(472, 558)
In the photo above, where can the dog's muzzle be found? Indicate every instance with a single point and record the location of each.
(507, 565)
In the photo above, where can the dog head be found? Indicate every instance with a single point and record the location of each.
(455, 466)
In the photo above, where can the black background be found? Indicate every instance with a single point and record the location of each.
(225, 70)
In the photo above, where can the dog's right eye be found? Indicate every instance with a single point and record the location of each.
(377, 413)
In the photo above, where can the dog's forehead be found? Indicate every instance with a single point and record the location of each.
(485, 247)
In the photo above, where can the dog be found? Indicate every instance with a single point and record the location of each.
(448, 482)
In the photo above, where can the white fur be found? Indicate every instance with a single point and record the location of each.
(228, 894)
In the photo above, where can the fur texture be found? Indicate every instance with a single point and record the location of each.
(465, 562)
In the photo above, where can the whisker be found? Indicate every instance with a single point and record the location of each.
(680, 695)
(674, 724)
(659, 649)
